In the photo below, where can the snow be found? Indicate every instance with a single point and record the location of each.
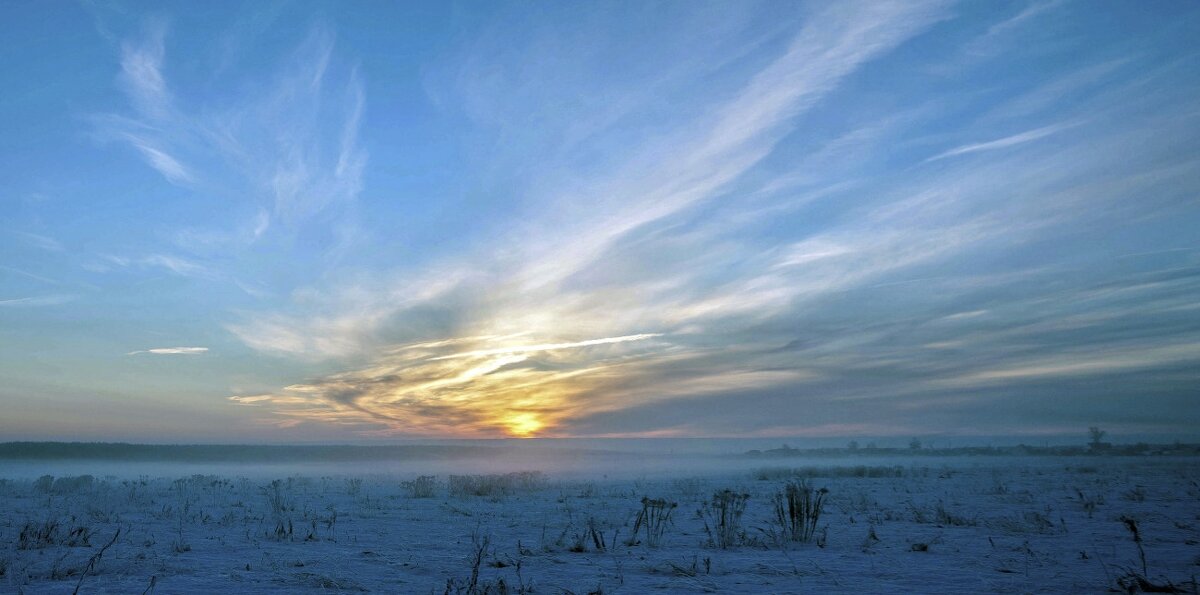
(1011, 525)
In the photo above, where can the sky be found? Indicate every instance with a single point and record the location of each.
(285, 222)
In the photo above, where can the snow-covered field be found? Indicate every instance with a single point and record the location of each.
(928, 526)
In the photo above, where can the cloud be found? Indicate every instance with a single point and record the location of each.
(170, 168)
(172, 351)
(177, 265)
(574, 233)
(1083, 365)
(40, 241)
(530, 293)
(291, 146)
(832, 44)
(143, 81)
(431, 389)
(998, 37)
(29, 275)
(550, 346)
(764, 302)
(141, 71)
(1004, 143)
(35, 301)
(183, 267)
(1030, 11)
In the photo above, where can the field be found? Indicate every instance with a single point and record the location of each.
(1009, 525)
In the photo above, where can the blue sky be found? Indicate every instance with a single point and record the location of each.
(344, 221)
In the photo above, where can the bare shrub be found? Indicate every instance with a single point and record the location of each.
(1136, 494)
(37, 535)
(797, 510)
(1135, 531)
(474, 585)
(1133, 581)
(654, 518)
(723, 518)
(946, 518)
(597, 535)
(94, 560)
(871, 539)
(279, 498)
(34, 536)
(281, 504)
(1031, 521)
(80, 536)
(1089, 502)
(592, 533)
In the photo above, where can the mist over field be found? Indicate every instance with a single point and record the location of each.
(598, 516)
(568, 457)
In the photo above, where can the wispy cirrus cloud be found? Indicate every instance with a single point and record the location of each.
(149, 130)
(292, 143)
(141, 71)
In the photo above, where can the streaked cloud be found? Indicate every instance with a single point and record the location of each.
(522, 349)
(170, 168)
(1003, 143)
(172, 351)
(40, 241)
(36, 301)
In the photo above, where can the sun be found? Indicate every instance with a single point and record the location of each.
(523, 425)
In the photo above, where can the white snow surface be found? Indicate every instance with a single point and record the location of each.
(990, 525)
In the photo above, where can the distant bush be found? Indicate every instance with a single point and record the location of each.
(44, 483)
(689, 487)
(424, 486)
(494, 485)
(67, 485)
(778, 473)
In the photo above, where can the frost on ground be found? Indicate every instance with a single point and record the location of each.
(1062, 525)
